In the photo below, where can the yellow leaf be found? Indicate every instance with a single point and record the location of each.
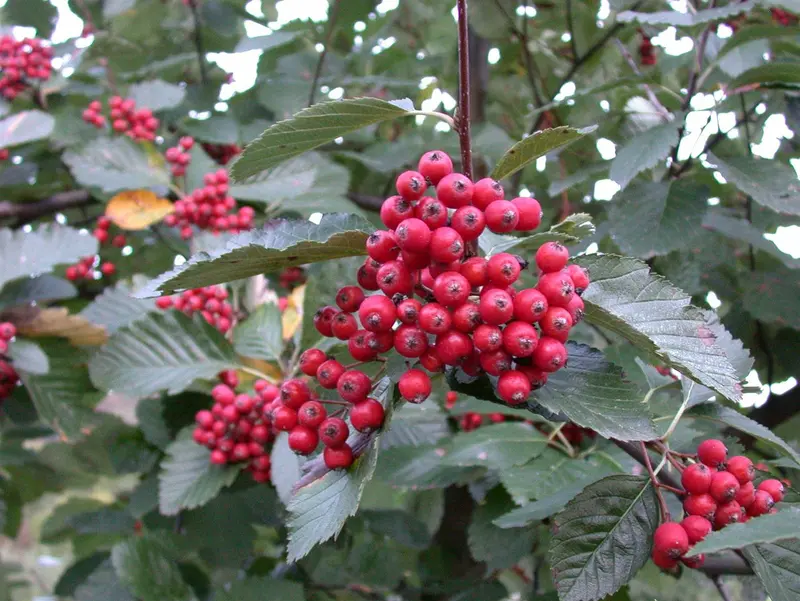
(270, 370)
(137, 209)
(293, 315)
(58, 322)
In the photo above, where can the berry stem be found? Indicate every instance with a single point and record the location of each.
(672, 489)
(437, 115)
(463, 90)
(661, 502)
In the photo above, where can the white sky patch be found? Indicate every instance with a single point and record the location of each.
(315, 218)
(525, 193)
(606, 148)
(605, 189)
(775, 130)
(494, 56)
(786, 239)
(754, 399)
(783, 387)
(541, 163)
(591, 249)
(669, 41)
(713, 300)
(567, 90)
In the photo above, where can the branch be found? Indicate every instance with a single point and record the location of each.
(198, 41)
(637, 453)
(722, 588)
(463, 123)
(28, 211)
(332, 16)
(571, 29)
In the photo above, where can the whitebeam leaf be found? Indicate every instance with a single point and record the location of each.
(536, 145)
(156, 94)
(769, 183)
(115, 308)
(27, 126)
(260, 336)
(161, 352)
(147, 565)
(644, 151)
(603, 537)
(309, 129)
(655, 316)
(777, 565)
(280, 244)
(769, 528)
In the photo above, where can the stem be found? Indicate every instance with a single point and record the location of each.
(661, 502)
(671, 489)
(437, 115)
(571, 29)
(198, 41)
(332, 16)
(463, 125)
(722, 588)
(650, 94)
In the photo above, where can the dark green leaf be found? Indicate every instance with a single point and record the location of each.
(279, 245)
(644, 151)
(497, 446)
(28, 356)
(771, 75)
(603, 537)
(571, 230)
(421, 467)
(543, 508)
(778, 567)
(156, 95)
(265, 42)
(772, 296)
(24, 127)
(147, 567)
(416, 425)
(262, 589)
(744, 231)
(260, 336)
(161, 351)
(769, 528)
(102, 584)
(10, 509)
(115, 308)
(769, 183)
(37, 289)
(497, 547)
(536, 145)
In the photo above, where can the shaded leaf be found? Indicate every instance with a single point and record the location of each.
(416, 425)
(536, 145)
(262, 589)
(769, 528)
(156, 95)
(39, 289)
(260, 336)
(147, 567)
(768, 182)
(497, 446)
(497, 547)
(24, 127)
(686, 19)
(743, 231)
(137, 209)
(777, 565)
(265, 42)
(571, 230)
(102, 584)
(421, 467)
(115, 308)
(770, 75)
(772, 296)
(644, 151)
(28, 356)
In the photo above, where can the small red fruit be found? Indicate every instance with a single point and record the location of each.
(377, 313)
(762, 503)
(311, 360)
(502, 216)
(774, 488)
(503, 269)
(294, 393)
(724, 487)
(432, 212)
(520, 339)
(383, 245)
(741, 467)
(703, 505)
(349, 298)
(530, 213)
(556, 323)
(550, 355)
(447, 245)
(663, 561)
(367, 416)
(451, 289)
(343, 326)
(284, 418)
(496, 306)
(469, 222)
(410, 341)
(670, 539)
(513, 387)
(495, 363)
(694, 562)
(729, 513)
(329, 373)
(712, 452)
(487, 338)
(530, 305)
(415, 386)
(557, 288)
(411, 185)
(434, 165)
(333, 432)
(485, 192)
(413, 235)
(323, 320)
(552, 257)
(303, 440)
(408, 311)
(338, 458)
(696, 479)
(580, 277)
(475, 270)
(394, 210)
(455, 190)
(353, 386)
(453, 347)
(746, 495)
(697, 528)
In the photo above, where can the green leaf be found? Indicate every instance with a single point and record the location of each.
(571, 230)
(644, 308)
(497, 547)
(115, 308)
(536, 145)
(421, 467)
(40, 289)
(733, 419)
(147, 566)
(188, 479)
(309, 129)
(33, 253)
(497, 446)
(772, 296)
(260, 336)
(769, 528)
(10, 509)
(279, 245)
(261, 589)
(156, 95)
(416, 425)
(593, 393)
(654, 218)
(768, 182)
(644, 151)
(744, 231)
(24, 127)
(219, 129)
(113, 164)
(603, 537)
(687, 19)
(578, 177)
(778, 567)
(102, 584)
(285, 471)
(770, 75)
(28, 356)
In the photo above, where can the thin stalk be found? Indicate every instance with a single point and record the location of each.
(198, 41)
(334, 13)
(437, 115)
(258, 374)
(463, 124)
(661, 502)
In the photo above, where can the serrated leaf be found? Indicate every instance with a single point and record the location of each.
(602, 537)
(593, 393)
(416, 425)
(156, 95)
(285, 471)
(771, 296)
(28, 356)
(571, 230)
(279, 245)
(542, 508)
(686, 19)
(644, 151)
(743, 231)
(769, 528)
(115, 308)
(161, 351)
(38, 290)
(188, 479)
(260, 336)
(768, 182)
(34, 253)
(102, 584)
(497, 547)
(778, 567)
(309, 129)
(147, 566)
(57, 321)
(421, 467)
(24, 127)
(497, 446)
(137, 209)
(116, 164)
(656, 317)
(262, 589)
(781, 75)
(536, 145)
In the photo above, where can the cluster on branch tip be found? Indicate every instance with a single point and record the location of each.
(222, 154)
(236, 429)
(23, 63)
(210, 208)
(88, 267)
(179, 156)
(719, 491)
(8, 376)
(139, 125)
(211, 302)
(647, 52)
(783, 17)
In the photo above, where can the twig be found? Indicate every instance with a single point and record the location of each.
(722, 588)
(25, 212)
(332, 16)
(650, 94)
(463, 123)
(571, 29)
(198, 41)
(661, 502)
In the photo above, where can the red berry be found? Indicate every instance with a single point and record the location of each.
(411, 185)
(311, 414)
(762, 503)
(410, 341)
(329, 373)
(244, 403)
(556, 323)
(7, 330)
(728, 513)
(696, 479)
(323, 320)
(408, 311)
(703, 505)
(294, 393)
(576, 309)
(530, 305)
(485, 192)
(503, 269)
(550, 354)
(434, 165)
(367, 416)
(284, 418)
(513, 387)
(520, 339)
(377, 313)
(453, 347)
(240, 452)
(339, 458)
(469, 222)
(413, 235)
(366, 276)
(694, 562)
(467, 317)
(746, 495)
(303, 440)
(394, 209)
(697, 528)
(446, 245)
(552, 257)
(495, 363)
(394, 278)
(496, 306)
(530, 213)
(451, 289)
(333, 432)
(502, 216)
(361, 346)
(712, 452)
(223, 394)
(724, 487)
(349, 298)
(218, 458)
(664, 561)
(475, 270)
(742, 468)
(774, 488)
(670, 539)
(118, 241)
(204, 419)
(432, 212)
(434, 318)
(343, 326)
(311, 360)
(382, 246)
(454, 190)
(354, 385)
(580, 277)
(430, 360)
(415, 386)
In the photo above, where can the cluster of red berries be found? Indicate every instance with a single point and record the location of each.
(210, 208)
(139, 125)
(21, 63)
(211, 302)
(783, 17)
(236, 429)
(4, 154)
(292, 277)
(647, 52)
(472, 421)
(222, 153)
(470, 314)
(719, 492)
(178, 156)
(8, 376)
(85, 268)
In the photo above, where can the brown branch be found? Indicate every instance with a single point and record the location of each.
(25, 212)
(332, 16)
(571, 29)
(463, 122)
(198, 41)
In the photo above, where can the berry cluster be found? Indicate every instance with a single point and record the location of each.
(139, 125)
(783, 17)
(85, 268)
(8, 376)
(4, 154)
(22, 62)
(236, 428)
(178, 156)
(470, 314)
(222, 153)
(719, 492)
(292, 277)
(210, 208)
(210, 301)
(647, 52)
